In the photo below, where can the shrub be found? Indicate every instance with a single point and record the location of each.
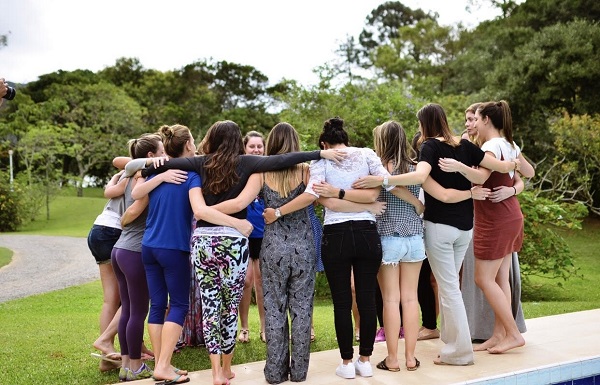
(545, 253)
(10, 203)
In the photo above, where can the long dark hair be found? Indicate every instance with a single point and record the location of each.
(222, 145)
(434, 124)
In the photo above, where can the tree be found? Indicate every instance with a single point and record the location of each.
(557, 69)
(96, 127)
(573, 175)
(362, 106)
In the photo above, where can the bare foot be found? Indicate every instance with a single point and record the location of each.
(177, 378)
(493, 341)
(183, 372)
(220, 380)
(509, 342)
(104, 347)
(230, 374)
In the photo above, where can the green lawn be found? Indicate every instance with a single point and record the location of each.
(46, 339)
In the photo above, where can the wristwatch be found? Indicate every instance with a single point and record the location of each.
(385, 181)
(341, 194)
(277, 213)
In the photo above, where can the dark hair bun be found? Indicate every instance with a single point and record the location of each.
(334, 124)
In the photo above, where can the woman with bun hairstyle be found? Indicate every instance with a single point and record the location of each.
(448, 226)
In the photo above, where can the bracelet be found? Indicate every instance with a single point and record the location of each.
(385, 181)
(515, 190)
(471, 191)
(515, 169)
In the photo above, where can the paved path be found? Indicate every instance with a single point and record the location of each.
(44, 263)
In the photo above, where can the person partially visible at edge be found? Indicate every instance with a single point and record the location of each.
(254, 144)
(498, 226)
(448, 226)
(129, 270)
(103, 235)
(221, 252)
(479, 313)
(3, 89)
(401, 231)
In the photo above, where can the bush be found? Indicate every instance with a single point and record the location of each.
(545, 253)
(10, 203)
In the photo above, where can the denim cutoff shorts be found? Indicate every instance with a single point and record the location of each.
(101, 240)
(402, 249)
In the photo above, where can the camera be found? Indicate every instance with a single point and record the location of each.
(10, 93)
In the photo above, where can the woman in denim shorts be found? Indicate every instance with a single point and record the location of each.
(401, 231)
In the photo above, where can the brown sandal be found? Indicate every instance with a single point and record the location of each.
(413, 368)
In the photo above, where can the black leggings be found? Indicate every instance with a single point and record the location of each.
(426, 297)
(352, 246)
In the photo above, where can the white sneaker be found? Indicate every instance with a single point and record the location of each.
(346, 371)
(363, 369)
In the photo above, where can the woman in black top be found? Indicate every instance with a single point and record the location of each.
(448, 226)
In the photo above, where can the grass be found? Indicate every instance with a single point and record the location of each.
(46, 339)
(543, 297)
(5, 256)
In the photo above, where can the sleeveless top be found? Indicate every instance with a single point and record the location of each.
(292, 234)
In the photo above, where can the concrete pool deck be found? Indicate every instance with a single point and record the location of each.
(559, 349)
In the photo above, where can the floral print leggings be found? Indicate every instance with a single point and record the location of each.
(220, 263)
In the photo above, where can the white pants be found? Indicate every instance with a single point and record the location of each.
(446, 246)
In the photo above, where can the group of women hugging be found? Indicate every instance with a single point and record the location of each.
(185, 214)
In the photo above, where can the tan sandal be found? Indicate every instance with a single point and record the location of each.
(312, 335)
(263, 337)
(244, 336)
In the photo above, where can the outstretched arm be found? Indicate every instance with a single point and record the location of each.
(144, 187)
(116, 186)
(445, 195)
(414, 177)
(247, 195)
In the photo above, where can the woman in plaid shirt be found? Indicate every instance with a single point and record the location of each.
(401, 231)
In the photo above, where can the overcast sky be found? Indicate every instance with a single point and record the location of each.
(282, 39)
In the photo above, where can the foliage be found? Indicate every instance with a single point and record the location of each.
(10, 201)
(545, 252)
(574, 172)
(362, 106)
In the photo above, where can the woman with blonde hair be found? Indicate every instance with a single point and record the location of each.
(401, 231)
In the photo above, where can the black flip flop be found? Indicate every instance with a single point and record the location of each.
(382, 365)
